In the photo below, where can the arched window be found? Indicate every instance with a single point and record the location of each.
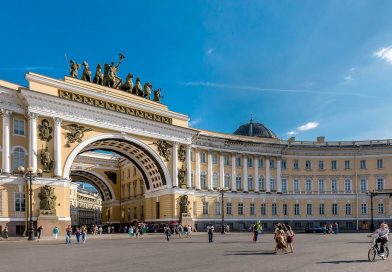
(18, 158)
(261, 184)
(250, 183)
(215, 180)
(203, 180)
(227, 181)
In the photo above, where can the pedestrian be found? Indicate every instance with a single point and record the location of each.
(100, 230)
(5, 232)
(55, 232)
(39, 232)
(325, 229)
(210, 231)
(78, 234)
(68, 232)
(227, 228)
(280, 239)
(179, 231)
(95, 230)
(109, 229)
(256, 230)
(84, 233)
(330, 229)
(130, 232)
(336, 227)
(290, 238)
(126, 229)
(167, 232)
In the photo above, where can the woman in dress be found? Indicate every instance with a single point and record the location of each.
(290, 238)
(280, 239)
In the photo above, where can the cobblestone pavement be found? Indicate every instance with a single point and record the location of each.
(230, 252)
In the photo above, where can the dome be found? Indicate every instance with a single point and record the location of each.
(255, 130)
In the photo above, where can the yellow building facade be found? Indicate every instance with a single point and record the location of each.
(143, 158)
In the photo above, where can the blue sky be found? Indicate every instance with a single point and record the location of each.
(303, 68)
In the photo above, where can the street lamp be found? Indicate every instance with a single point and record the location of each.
(372, 194)
(28, 175)
(222, 191)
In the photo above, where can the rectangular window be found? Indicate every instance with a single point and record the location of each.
(240, 208)
(348, 209)
(227, 181)
(250, 162)
(227, 160)
(296, 209)
(364, 208)
(308, 165)
(321, 165)
(263, 209)
(347, 164)
(334, 165)
(20, 202)
(228, 208)
(309, 209)
(272, 184)
(296, 164)
(362, 164)
(217, 208)
(308, 186)
(205, 207)
(261, 163)
(347, 186)
(284, 186)
(238, 161)
(273, 210)
(364, 185)
(297, 188)
(19, 127)
(202, 157)
(322, 209)
(334, 208)
(238, 183)
(284, 209)
(321, 186)
(252, 209)
(381, 208)
(203, 180)
(215, 180)
(272, 163)
(334, 186)
(214, 159)
(380, 163)
(261, 184)
(380, 184)
(250, 183)
(283, 164)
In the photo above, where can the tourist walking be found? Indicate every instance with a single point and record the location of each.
(336, 227)
(280, 239)
(256, 230)
(325, 229)
(210, 231)
(68, 232)
(55, 232)
(84, 233)
(130, 232)
(5, 232)
(290, 238)
(39, 231)
(100, 230)
(167, 233)
(78, 234)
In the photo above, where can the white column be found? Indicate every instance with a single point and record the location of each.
(233, 173)
(209, 172)
(6, 141)
(175, 164)
(256, 178)
(188, 167)
(197, 177)
(221, 171)
(33, 152)
(278, 177)
(58, 171)
(267, 176)
(245, 173)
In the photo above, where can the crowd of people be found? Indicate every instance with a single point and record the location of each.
(180, 230)
(284, 238)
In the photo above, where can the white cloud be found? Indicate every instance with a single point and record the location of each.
(210, 51)
(385, 54)
(292, 133)
(194, 122)
(308, 126)
(348, 78)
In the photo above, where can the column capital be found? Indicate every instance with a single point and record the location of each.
(32, 115)
(5, 113)
(57, 120)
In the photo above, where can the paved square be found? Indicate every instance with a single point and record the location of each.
(231, 252)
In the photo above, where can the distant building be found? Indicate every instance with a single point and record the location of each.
(86, 206)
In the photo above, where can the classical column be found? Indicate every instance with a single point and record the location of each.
(6, 141)
(278, 177)
(209, 170)
(197, 178)
(221, 171)
(245, 173)
(233, 174)
(58, 171)
(175, 164)
(188, 167)
(256, 178)
(267, 176)
(33, 152)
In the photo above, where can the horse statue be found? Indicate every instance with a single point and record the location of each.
(86, 75)
(106, 79)
(137, 89)
(157, 95)
(147, 90)
(98, 77)
(128, 85)
(73, 69)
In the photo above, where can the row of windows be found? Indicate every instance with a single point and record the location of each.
(285, 208)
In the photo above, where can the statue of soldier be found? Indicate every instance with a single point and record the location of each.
(128, 85)
(147, 90)
(86, 75)
(157, 95)
(46, 160)
(74, 67)
(137, 89)
(98, 77)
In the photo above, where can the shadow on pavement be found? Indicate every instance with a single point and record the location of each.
(251, 252)
(344, 262)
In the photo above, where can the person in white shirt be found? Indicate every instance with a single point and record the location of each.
(382, 238)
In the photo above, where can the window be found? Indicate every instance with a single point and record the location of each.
(214, 159)
(273, 210)
(250, 162)
(308, 209)
(252, 209)
(19, 127)
(263, 209)
(272, 184)
(284, 209)
(284, 186)
(261, 163)
(202, 157)
(228, 208)
(18, 158)
(381, 208)
(203, 180)
(240, 208)
(217, 208)
(334, 209)
(238, 183)
(283, 164)
(226, 160)
(322, 209)
(334, 186)
(347, 164)
(205, 207)
(296, 209)
(295, 164)
(261, 184)
(364, 208)
(380, 184)
(308, 186)
(321, 165)
(321, 186)
(20, 202)
(308, 165)
(250, 183)
(348, 209)
(347, 186)
(364, 185)
(215, 180)
(272, 163)
(227, 181)
(334, 165)
(380, 163)
(238, 161)
(297, 188)
(362, 164)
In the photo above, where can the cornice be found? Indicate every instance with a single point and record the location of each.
(9, 101)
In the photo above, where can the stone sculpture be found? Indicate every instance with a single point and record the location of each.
(75, 134)
(164, 149)
(46, 160)
(45, 131)
(86, 75)
(47, 200)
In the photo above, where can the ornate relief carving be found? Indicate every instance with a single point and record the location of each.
(45, 131)
(75, 134)
(181, 176)
(163, 149)
(181, 153)
(112, 176)
(46, 160)
(184, 204)
(47, 204)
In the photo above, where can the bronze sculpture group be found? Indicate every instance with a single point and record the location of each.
(110, 79)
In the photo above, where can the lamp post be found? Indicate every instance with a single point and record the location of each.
(28, 175)
(222, 191)
(372, 194)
